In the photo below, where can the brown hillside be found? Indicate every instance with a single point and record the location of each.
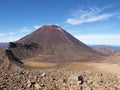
(106, 50)
(114, 59)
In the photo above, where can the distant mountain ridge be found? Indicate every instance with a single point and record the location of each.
(3, 45)
(110, 46)
(106, 50)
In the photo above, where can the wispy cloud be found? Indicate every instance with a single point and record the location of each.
(13, 36)
(25, 29)
(37, 26)
(93, 14)
(110, 39)
(2, 34)
(12, 33)
(9, 38)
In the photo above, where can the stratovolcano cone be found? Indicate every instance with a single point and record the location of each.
(53, 44)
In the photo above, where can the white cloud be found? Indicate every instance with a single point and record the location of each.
(36, 26)
(9, 39)
(93, 14)
(12, 33)
(13, 36)
(108, 39)
(25, 29)
(57, 24)
(2, 34)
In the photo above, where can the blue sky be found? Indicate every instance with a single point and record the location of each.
(91, 21)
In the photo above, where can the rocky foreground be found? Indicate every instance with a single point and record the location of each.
(57, 79)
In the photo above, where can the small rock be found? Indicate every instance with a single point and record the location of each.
(29, 83)
(43, 74)
(88, 88)
(18, 89)
(42, 85)
(80, 79)
(79, 82)
(37, 86)
(65, 80)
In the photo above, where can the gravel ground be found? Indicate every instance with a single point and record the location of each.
(57, 79)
